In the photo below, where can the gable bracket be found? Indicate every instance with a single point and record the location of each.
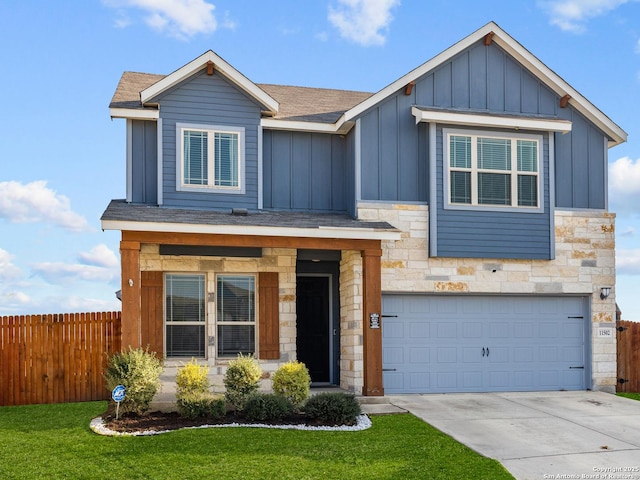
(409, 87)
(209, 67)
(564, 101)
(488, 38)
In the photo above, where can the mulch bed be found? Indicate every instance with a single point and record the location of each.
(162, 421)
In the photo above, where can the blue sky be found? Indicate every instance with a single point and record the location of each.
(62, 158)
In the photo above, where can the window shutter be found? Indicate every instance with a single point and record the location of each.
(268, 315)
(151, 312)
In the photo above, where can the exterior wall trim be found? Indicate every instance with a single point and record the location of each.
(160, 172)
(248, 230)
(433, 191)
(129, 157)
(134, 113)
(499, 121)
(552, 196)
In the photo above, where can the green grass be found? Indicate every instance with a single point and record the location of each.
(54, 441)
(632, 396)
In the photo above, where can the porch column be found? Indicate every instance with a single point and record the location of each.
(130, 270)
(372, 327)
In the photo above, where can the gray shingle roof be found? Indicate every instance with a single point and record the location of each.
(302, 104)
(119, 210)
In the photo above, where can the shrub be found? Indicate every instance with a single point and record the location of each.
(241, 380)
(336, 408)
(202, 404)
(192, 378)
(267, 406)
(139, 371)
(292, 381)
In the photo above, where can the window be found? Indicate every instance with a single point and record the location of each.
(211, 157)
(493, 171)
(236, 315)
(185, 315)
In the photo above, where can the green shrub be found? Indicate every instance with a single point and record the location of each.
(292, 381)
(267, 406)
(139, 371)
(241, 380)
(336, 408)
(192, 378)
(202, 404)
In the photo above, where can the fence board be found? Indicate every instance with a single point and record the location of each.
(628, 356)
(56, 358)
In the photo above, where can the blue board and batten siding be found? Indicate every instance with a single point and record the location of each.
(144, 162)
(481, 79)
(492, 234)
(305, 171)
(209, 100)
(581, 164)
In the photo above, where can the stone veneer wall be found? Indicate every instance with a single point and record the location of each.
(351, 340)
(281, 260)
(585, 262)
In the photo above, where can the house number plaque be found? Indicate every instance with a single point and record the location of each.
(374, 320)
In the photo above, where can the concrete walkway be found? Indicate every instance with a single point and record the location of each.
(540, 435)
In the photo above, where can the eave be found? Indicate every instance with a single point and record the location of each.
(135, 113)
(320, 232)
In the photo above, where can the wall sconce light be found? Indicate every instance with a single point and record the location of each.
(604, 292)
(131, 282)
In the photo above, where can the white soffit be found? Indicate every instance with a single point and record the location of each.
(480, 120)
(253, 230)
(220, 66)
(298, 126)
(134, 113)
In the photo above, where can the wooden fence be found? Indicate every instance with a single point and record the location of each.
(628, 356)
(56, 358)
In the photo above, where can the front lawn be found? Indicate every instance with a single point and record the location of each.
(632, 396)
(54, 441)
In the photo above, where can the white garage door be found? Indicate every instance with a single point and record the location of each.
(437, 344)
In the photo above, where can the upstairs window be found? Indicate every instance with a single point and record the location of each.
(211, 157)
(488, 171)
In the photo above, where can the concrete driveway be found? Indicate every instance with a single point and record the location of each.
(540, 435)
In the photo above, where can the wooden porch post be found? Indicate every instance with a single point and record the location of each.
(130, 270)
(372, 327)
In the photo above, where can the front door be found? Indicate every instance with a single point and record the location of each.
(313, 326)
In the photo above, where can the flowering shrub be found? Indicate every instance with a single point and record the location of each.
(292, 381)
(241, 380)
(139, 371)
(192, 378)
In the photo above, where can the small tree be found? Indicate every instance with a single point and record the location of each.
(241, 380)
(139, 371)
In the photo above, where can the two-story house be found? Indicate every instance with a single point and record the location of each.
(449, 233)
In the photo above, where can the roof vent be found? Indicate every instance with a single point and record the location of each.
(239, 212)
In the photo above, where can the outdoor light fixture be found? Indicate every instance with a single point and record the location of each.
(131, 282)
(604, 292)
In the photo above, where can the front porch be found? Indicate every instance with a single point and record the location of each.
(355, 354)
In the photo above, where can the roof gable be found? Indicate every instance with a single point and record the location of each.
(219, 66)
(520, 54)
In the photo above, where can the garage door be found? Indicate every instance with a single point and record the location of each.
(438, 344)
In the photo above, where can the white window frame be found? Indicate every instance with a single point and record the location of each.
(198, 323)
(447, 133)
(211, 130)
(220, 322)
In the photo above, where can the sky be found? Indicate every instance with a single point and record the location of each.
(62, 159)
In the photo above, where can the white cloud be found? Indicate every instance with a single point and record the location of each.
(63, 273)
(181, 19)
(7, 269)
(99, 256)
(624, 185)
(628, 261)
(571, 15)
(34, 202)
(363, 21)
